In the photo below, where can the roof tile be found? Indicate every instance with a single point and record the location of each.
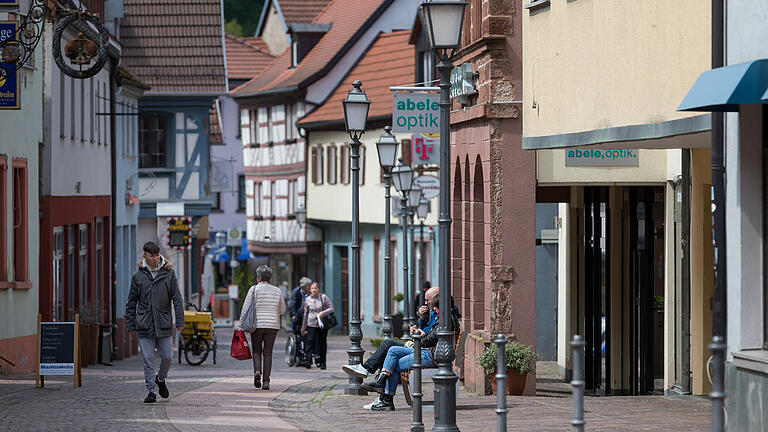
(389, 62)
(244, 57)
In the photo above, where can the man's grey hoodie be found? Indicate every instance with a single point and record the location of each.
(148, 310)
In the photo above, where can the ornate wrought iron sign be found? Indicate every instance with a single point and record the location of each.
(81, 50)
(18, 40)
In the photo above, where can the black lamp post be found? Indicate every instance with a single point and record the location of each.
(414, 197)
(387, 148)
(422, 211)
(403, 179)
(355, 115)
(442, 22)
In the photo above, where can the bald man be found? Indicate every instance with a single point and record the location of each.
(377, 359)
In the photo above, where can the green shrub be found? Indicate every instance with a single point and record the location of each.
(244, 280)
(516, 356)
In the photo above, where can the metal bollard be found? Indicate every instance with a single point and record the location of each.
(501, 383)
(416, 424)
(578, 383)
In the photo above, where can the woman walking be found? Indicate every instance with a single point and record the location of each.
(316, 306)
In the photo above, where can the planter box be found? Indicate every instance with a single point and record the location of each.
(515, 382)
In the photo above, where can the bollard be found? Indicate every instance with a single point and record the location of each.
(501, 383)
(717, 395)
(416, 424)
(578, 383)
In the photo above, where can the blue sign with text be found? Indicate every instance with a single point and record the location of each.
(9, 2)
(9, 82)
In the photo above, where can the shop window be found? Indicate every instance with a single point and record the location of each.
(83, 265)
(59, 311)
(99, 269)
(20, 229)
(153, 141)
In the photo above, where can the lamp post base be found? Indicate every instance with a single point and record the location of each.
(445, 400)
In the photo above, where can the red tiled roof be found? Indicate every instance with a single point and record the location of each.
(214, 129)
(389, 62)
(301, 11)
(244, 59)
(346, 17)
(175, 46)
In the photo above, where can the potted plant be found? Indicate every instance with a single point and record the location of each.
(90, 314)
(397, 318)
(518, 359)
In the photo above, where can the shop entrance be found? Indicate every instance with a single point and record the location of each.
(622, 288)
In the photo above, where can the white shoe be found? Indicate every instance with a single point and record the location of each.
(355, 370)
(371, 404)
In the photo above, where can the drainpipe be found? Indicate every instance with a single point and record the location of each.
(685, 277)
(113, 202)
(719, 324)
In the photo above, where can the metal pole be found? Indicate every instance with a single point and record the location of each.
(719, 319)
(355, 351)
(412, 289)
(422, 265)
(387, 256)
(685, 278)
(578, 383)
(416, 424)
(406, 291)
(445, 379)
(501, 383)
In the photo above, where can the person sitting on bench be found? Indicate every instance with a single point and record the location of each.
(426, 322)
(400, 359)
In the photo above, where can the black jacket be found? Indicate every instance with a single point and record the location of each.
(430, 340)
(148, 310)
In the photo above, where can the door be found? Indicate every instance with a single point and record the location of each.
(546, 281)
(597, 290)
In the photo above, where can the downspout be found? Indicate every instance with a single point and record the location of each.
(685, 277)
(113, 201)
(719, 324)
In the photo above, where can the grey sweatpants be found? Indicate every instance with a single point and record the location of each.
(165, 349)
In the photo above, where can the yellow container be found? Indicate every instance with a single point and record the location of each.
(202, 321)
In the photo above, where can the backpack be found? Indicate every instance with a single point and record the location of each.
(248, 315)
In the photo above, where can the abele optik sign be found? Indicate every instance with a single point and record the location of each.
(416, 113)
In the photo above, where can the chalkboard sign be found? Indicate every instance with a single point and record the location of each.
(57, 348)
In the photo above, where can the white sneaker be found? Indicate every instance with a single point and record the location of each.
(371, 404)
(355, 370)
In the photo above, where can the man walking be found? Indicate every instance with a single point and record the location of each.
(297, 303)
(268, 304)
(148, 311)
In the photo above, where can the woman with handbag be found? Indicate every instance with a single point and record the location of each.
(317, 307)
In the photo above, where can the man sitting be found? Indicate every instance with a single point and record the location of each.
(400, 359)
(377, 359)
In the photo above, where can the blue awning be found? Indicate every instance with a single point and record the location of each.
(725, 88)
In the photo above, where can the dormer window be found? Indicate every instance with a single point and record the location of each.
(304, 37)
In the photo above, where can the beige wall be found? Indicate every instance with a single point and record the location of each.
(593, 64)
(334, 202)
(273, 32)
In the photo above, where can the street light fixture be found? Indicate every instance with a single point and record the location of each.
(356, 107)
(403, 179)
(443, 23)
(387, 148)
(301, 216)
(402, 176)
(414, 196)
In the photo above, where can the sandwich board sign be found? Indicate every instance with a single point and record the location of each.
(58, 350)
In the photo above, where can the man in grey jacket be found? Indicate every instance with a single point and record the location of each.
(148, 312)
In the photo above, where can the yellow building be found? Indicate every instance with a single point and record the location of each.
(601, 84)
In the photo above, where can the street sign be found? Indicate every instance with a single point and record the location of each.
(415, 112)
(425, 149)
(430, 186)
(233, 237)
(9, 82)
(179, 233)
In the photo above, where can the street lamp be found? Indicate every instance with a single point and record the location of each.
(356, 107)
(414, 196)
(301, 216)
(443, 22)
(422, 211)
(387, 148)
(403, 179)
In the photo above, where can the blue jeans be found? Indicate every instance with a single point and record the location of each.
(400, 359)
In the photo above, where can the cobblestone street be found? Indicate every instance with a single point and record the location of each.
(221, 397)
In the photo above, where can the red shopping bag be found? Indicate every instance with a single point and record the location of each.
(240, 349)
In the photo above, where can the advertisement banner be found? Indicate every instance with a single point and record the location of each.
(425, 149)
(415, 112)
(9, 82)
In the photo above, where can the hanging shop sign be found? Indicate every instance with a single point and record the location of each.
(9, 81)
(601, 158)
(81, 50)
(415, 112)
(9, 3)
(425, 148)
(179, 233)
(430, 186)
(463, 83)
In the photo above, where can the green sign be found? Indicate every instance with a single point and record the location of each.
(416, 112)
